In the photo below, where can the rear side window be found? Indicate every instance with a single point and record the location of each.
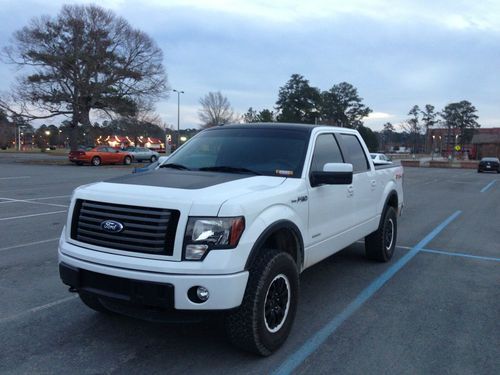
(354, 153)
(326, 150)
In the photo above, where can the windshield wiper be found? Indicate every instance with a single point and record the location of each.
(228, 169)
(175, 166)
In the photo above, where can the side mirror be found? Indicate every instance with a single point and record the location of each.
(332, 174)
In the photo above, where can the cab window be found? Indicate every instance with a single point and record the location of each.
(354, 153)
(326, 150)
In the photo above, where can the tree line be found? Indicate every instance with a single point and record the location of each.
(341, 105)
(458, 118)
(50, 135)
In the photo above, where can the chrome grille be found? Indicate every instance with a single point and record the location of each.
(145, 229)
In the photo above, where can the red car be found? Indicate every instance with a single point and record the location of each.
(100, 155)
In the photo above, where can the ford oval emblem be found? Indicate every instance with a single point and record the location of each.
(111, 226)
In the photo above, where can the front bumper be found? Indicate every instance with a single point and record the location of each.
(153, 288)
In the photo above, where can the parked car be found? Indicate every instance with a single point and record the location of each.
(151, 166)
(489, 164)
(379, 159)
(99, 155)
(227, 224)
(142, 153)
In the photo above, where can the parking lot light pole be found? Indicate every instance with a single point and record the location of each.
(179, 92)
(432, 151)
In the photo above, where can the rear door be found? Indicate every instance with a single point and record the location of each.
(364, 184)
(144, 153)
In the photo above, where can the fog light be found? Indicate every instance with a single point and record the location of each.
(195, 252)
(202, 293)
(198, 294)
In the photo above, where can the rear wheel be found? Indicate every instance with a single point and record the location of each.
(127, 160)
(380, 244)
(263, 321)
(153, 158)
(96, 161)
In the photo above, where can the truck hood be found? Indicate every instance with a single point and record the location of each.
(199, 193)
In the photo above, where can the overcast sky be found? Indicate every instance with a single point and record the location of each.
(397, 53)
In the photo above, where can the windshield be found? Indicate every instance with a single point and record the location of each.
(271, 152)
(489, 159)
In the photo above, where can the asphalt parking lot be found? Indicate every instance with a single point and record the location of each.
(434, 309)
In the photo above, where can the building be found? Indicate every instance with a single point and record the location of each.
(484, 142)
(487, 143)
(118, 141)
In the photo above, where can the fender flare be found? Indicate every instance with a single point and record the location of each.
(268, 232)
(392, 193)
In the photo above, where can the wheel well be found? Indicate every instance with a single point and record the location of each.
(283, 238)
(393, 201)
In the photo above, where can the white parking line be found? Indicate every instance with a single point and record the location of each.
(14, 178)
(43, 198)
(33, 215)
(31, 201)
(36, 309)
(28, 244)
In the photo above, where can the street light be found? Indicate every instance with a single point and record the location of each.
(47, 133)
(179, 92)
(432, 151)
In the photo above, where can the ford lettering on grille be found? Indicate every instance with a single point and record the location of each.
(112, 226)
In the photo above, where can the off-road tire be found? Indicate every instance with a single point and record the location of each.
(127, 160)
(93, 302)
(380, 244)
(247, 327)
(96, 161)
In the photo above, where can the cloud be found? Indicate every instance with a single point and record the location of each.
(380, 116)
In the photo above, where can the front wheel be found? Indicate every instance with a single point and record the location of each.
(153, 158)
(263, 321)
(380, 244)
(127, 160)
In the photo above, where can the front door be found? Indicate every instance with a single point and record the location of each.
(330, 206)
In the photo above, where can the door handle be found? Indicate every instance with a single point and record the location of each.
(350, 191)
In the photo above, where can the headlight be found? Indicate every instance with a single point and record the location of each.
(206, 233)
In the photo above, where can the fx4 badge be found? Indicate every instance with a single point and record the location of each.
(302, 198)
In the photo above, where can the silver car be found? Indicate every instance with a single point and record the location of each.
(142, 154)
(380, 159)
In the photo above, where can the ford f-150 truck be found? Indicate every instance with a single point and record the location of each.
(227, 224)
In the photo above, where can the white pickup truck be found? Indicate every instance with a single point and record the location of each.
(227, 224)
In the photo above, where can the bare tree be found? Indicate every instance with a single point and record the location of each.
(86, 58)
(215, 110)
(413, 126)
